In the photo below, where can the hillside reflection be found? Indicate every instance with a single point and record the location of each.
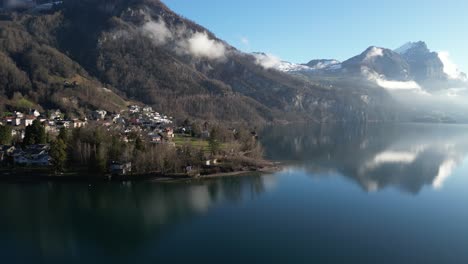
(50, 220)
(408, 157)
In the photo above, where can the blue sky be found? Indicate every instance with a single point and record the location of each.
(301, 30)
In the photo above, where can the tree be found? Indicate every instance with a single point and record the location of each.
(63, 135)
(139, 145)
(58, 153)
(213, 143)
(116, 149)
(5, 135)
(35, 134)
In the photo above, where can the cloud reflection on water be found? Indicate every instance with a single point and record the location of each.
(407, 157)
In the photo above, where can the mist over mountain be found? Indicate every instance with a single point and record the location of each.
(427, 85)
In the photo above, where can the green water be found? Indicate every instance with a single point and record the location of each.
(375, 194)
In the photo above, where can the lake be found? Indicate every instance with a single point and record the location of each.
(369, 194)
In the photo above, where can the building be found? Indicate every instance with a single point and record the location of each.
(12, 121)
(79, 123)
(39, 161)
(34, 112)
(99, 114)
(55, 114)
(28, 120)
(169, 132)
(6, 151)
(63, 124)
(147, 109)
(19, 115)
(34, 155)
(134, 109)
(120, 168)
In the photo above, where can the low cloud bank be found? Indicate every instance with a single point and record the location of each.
(200, 45)
(184, 41)
(390, 85)
(450, 68)
(267, 61)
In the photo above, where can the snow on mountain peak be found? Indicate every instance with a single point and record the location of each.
(409, 46)
(269, 61)
(324, 64)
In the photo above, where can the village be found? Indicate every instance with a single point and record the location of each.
(137, 128)
(154, 127)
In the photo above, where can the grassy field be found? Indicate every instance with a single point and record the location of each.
(198, 143)
(181, 140)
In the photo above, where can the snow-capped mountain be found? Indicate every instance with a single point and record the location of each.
(412, 65)
(285, 66)
(272, 62)
(324, 64)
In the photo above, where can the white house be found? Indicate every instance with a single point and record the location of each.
(28, 120)
(35, 113)
(19, 115)
(134, 109)
(119, 168)
(79, 123)
(147, 109)
(99, 114)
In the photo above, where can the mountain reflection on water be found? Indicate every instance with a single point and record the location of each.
(408, 157)
(287, 217)
(57, 221)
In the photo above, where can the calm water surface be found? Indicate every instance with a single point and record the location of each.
(375, 194)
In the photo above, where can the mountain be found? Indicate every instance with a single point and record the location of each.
(425, 85)
(381, 61)
(124, 51)
(269, 61)
(412, 62)
(424, 64)
(324, 64)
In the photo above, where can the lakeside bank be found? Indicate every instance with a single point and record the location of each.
(34, 175)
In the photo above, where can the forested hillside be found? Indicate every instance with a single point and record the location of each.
(86, 55)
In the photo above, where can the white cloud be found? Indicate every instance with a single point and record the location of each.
(374, 52)
(445, 170)
(396, 85)
(390, 85)
(157, 31)
(200, 45)
(187, 42)
(394, 157)
(450, 68)
(267, 61)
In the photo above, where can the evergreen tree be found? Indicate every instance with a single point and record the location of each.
(5, 135)
(35, 134)
(139, 145)
(116, 149)
(63, 135)
(213, 143)
(58, 153)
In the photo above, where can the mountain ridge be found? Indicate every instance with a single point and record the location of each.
(142, 51)
(413, 61)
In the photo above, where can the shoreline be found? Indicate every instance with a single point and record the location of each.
(29, 176)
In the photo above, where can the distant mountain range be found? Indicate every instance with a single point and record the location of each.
(120, 52)
(412, 63)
